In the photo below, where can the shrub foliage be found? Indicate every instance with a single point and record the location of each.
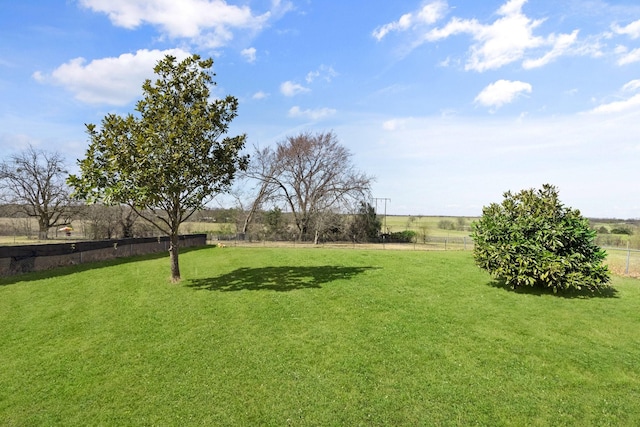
(531, 239)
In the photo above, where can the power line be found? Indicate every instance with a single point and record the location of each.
(385, 209)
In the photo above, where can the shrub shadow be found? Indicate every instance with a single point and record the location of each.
(279, 279)
(609, 292)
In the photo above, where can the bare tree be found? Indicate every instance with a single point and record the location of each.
(34, 182)
(251, 200)
(108, 222)
(312, 174)
(100, 221)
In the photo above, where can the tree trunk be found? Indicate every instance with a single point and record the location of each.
(173, 254)
(255, 206)
(43, 231)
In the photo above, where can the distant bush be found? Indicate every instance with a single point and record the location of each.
(603, 230)
(446, 224)
(460, 224)
(406, 236)
(622, 229)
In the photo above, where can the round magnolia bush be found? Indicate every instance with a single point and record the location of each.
(531, 239)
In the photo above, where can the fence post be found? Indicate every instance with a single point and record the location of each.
(626, 270)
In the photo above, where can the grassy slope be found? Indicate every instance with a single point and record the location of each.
(312, 337)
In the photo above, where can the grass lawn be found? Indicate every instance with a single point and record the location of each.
(273, 336)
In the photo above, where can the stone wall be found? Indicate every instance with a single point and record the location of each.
(23, 259)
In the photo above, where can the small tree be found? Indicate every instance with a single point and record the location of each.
(33, 182)
(365, 225)
(531, 239)
(172, 158)
(275, 222)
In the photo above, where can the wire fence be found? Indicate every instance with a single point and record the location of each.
(623, 256)
(621, 261)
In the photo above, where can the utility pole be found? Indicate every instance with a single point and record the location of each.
(385, 199)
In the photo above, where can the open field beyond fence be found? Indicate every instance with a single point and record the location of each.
(280, 336)
(623, 250)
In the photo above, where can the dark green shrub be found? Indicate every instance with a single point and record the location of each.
(275, 222)
(365, 225)
(622, 229)
(531, 239)
(406, 236)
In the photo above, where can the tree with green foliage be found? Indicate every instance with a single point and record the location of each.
(275, 222)
(172, 157)
(532, 239)
(365, 225)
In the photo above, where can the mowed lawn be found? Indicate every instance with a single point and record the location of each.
(343, 337)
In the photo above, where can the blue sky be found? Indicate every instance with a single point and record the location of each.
(448, 103)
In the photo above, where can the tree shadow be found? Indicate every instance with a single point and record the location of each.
(279, 279)
(608, 292)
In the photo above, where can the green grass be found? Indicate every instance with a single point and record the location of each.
(268, 336)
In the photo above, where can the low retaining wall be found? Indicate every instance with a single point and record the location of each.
(23, 259)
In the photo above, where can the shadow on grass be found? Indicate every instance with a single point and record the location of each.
(280, 279)
(609, 292)
(78, 268)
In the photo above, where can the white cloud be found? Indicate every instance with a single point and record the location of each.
(325, 73)
(290, 88)
(249, 54)
(631, 86)
(561, 44)
(504, 41)
(209, 23)
(502, 92)
(507, 39)
(632, 30)
(315, 115)
(631, 102)
(628, 57)
(113, 81)
(39, 77)
(619, 106)
(394, 124)
(430, 13)
(620, 50)
(260, 95)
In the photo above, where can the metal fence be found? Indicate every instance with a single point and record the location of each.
(621, 261)
(428, 243)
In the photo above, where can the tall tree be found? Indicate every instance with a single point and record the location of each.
(34, 183)
(313, 174)
(171, 158)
